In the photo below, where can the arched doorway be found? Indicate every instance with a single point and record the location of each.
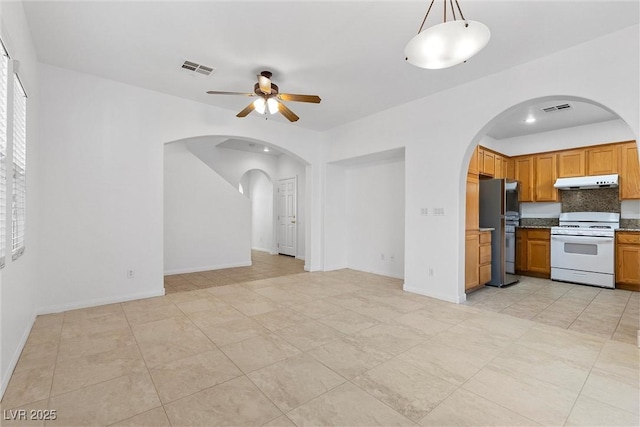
(540, 133)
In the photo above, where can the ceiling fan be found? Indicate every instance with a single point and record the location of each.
(269, 98)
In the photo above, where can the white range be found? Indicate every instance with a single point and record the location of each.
(583, 248)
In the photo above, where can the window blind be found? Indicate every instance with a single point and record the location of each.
(19, 201)
(4, 83)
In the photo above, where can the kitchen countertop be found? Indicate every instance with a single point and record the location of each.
(486, 229)
(548, 226)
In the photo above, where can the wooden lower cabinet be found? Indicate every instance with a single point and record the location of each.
(477, 259)
(471, 258)
(484, 257)
(628, 260)
(533, 252)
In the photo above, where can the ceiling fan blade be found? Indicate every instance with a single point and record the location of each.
(299, 98)
(285, 111)
(264, 83)
(217, 92)
(249, 108)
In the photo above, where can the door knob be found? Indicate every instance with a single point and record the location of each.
(293, 222)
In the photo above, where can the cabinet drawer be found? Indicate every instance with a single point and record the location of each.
(485, 254)
(485, 274)
(538, 234)
(628, 238)
(485, 237)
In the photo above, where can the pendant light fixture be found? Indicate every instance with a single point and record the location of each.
(447, 44)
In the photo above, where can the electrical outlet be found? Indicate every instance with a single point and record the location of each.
(424, 211)
(438, 211)
(130, 274)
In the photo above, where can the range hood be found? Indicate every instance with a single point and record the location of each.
(587, 182)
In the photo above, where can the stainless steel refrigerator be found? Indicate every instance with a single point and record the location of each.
(499, 209)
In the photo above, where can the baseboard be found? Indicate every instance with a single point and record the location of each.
(6, 376)
(300, 258)
(261, 250)
(334, 267)
(378, 272)
(99, 301)
(207, 268)
(444, 297)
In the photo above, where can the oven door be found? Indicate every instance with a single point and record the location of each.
(583, 253)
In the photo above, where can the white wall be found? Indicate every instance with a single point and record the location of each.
(375, 218)
(18, 279)
(206, 221)
(261, 196)
(234, 164)
(104, 145)
(440, 132)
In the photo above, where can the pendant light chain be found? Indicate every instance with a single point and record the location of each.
(425, 16)
(453, 12)
(460, 10)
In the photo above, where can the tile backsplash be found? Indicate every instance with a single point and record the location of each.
(600, 200)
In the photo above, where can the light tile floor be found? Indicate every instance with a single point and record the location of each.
(609, 313)
(263, 266)
(339, 348)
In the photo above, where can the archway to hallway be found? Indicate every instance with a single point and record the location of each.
(215, 234)
(584, 127)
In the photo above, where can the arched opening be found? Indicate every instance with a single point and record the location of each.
(220, 204)
(536, 142)
(258, 188)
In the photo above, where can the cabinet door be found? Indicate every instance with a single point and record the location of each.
(473, 163)
(488, 164)
(628, 265)
(504, 168)
(472, 218)
(539, 257)
(571, 163)
(471, 253)
(602, 160)
(498, 167)
(511, 169)
(524, 175)
(545, 178)
(629, 172)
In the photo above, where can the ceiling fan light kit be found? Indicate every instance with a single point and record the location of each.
(269, 98)
(447, 44)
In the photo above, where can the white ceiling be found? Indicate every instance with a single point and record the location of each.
(250, 146)
(512, 123)
(348, 53)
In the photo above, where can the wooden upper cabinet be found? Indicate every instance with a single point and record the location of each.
(472, 218)
(511, 168)
(499, 173)
(602, 160)
(473, 163)
(488, 163)
(523, 167)
(545, 173)
(629, 171)
(571, 163)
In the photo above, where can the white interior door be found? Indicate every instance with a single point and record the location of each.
(287, 209)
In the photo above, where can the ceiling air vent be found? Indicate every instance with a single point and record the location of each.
(197, 68)
(557, 108)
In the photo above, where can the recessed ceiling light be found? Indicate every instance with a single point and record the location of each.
(266, 149)
(530, 119)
